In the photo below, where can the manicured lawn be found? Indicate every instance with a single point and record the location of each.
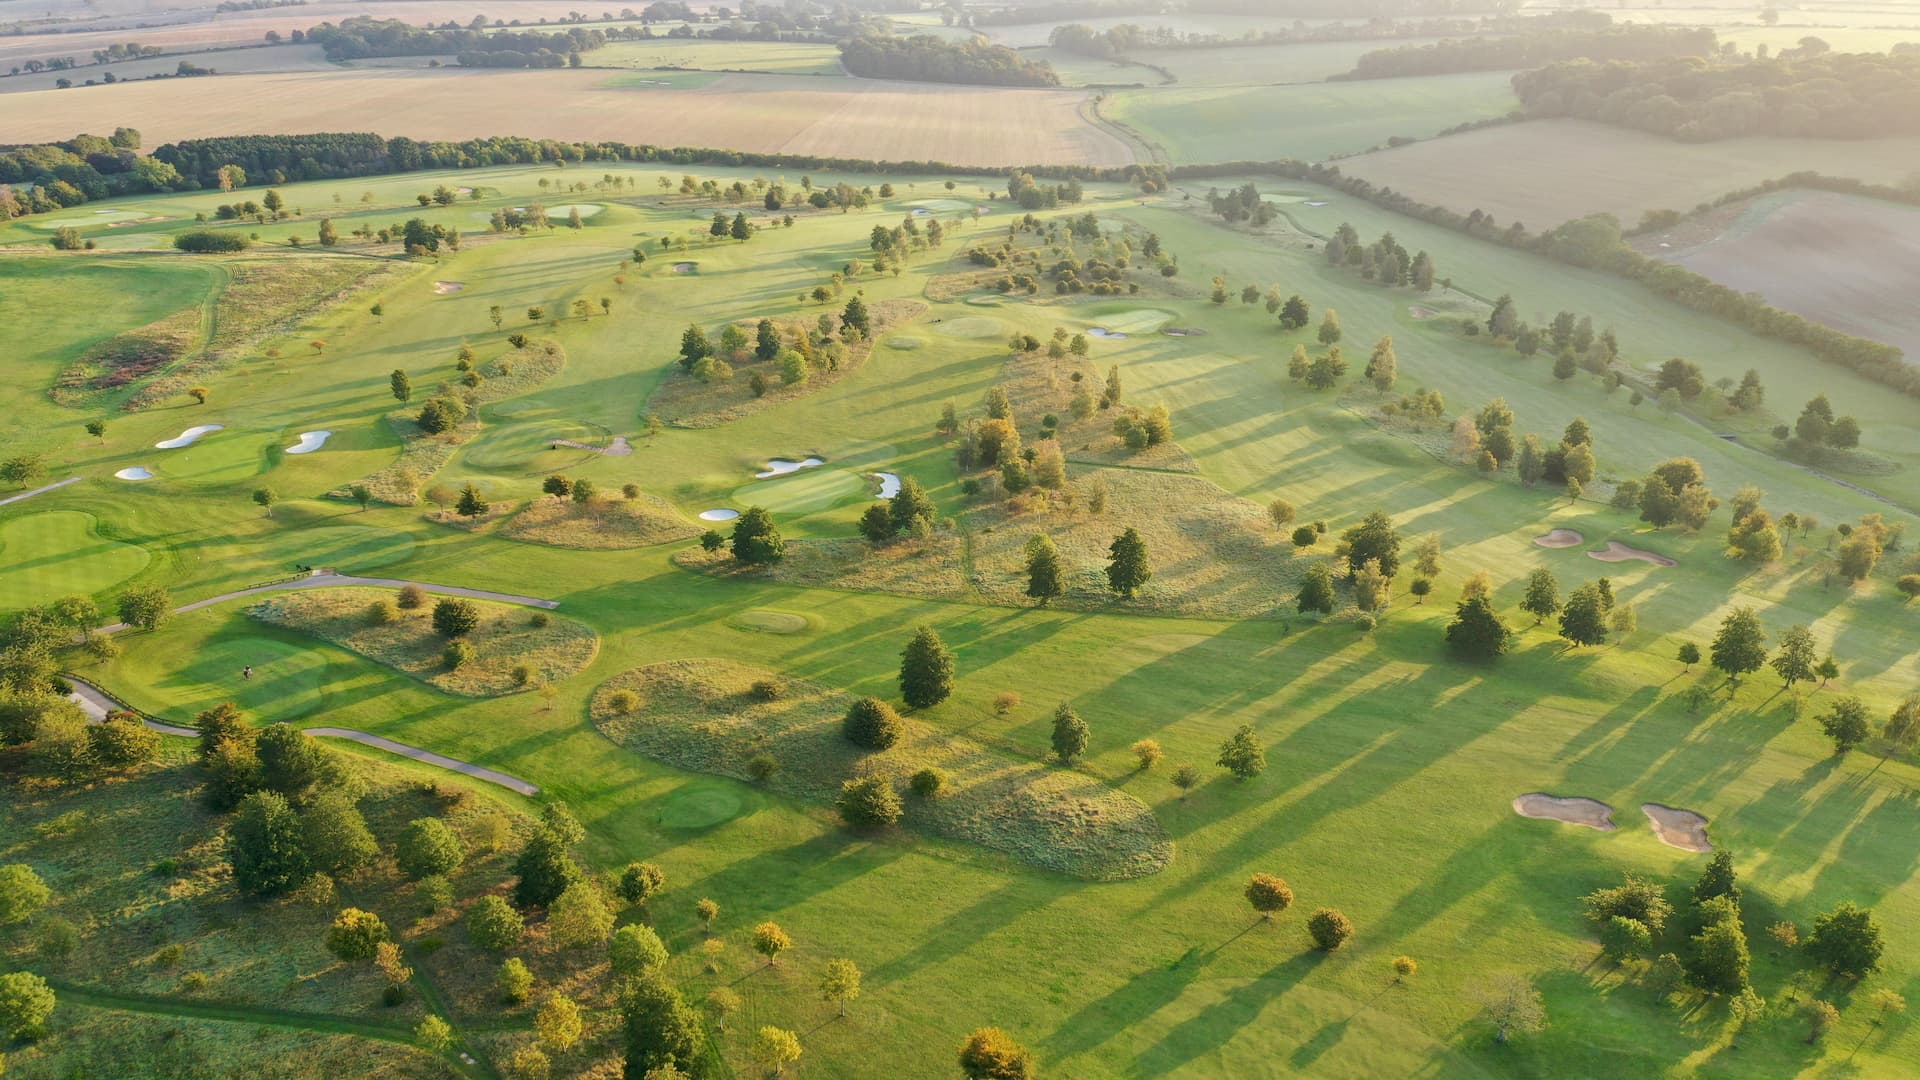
(1390, 767)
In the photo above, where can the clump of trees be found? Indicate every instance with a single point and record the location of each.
(1384, 261)
(926, 58)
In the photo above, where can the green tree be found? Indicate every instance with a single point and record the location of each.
(640, 882)
(356, 935)
(872, 724)
(694, 346)
(265, 846)
(1476, 633)
(293, 762)
(427, 847)
(1740, 647)
(1316, 590)
(869, 802)
(145, 607)
(1383, 367)
(1127, 566)
(840, 983)
(1070, 734)
(926, 669)
(1625, 939)
(1718, 879)
(1584, 620)
(22, 893)
(855, 317)
(336, 836)
(635, 948)
(401, 385)
(910, 504)
(1688, 655)
(1636, 898)
(659, 1029)
(770, 941)
(493, 924)
(1720, 957)
(454, 617)
(579, 917)
(471, 505)
(1329, 929)
(1543, 595)
(546, 868)
(1796, 659)
(1846, 724)
(1044, 578)
(1846, 941)
(1330, 327)
(1373, 540)
(756, 541)
(1242, 754)
(26, 1003)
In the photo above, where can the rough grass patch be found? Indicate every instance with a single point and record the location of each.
(504, 640)
(605, 524)
(703, 715)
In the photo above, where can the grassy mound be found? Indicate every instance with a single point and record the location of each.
(1134, 320)
(905, 342)
(527, 448)
(127, 358)
(702, 715)
(505, 639)
(762, 620)
(56, 553)
(685, 401)
(602, 525)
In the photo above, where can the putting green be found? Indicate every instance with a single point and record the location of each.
(939, 206)
(767, 621)
(58, 553)
(986, 300)
(700, 805)
(974, 327)
(81, 221)
(289, 679)
(803, 492)
(522, 447)
(1134, 320)
(351, 548)
(559, 213)
(905, 342)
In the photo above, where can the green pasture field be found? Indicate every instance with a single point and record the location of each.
(1309, 122)
(1265, 65)
(1390, 767)
(780, 57)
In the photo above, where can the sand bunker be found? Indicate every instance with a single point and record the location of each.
(187, 437)
(1619, 552)
(135, 472)
(1184, 331)
(889, 484)
(686, 268)
(1103, 332)
(1420, 311)
(719, 515)
(309, 442)
(1683, 829)
(781, 467)
(1560, 538)
(1591, 813)
(446, 287)
(619, 447)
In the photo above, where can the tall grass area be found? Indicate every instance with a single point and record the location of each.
(1390, 767)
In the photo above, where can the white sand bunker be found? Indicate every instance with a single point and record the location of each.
(1619, 552)
(1591, 813)
(781, 467)
(1560, 538)
(1683, 829)
(1421, 311)
(1103, 332)
(135, 472)
(889, 484)
(685, 267)
(447, 287)
(719, 515)
(1184, 331)
(187, 437)
(619, 447)
(309, 442)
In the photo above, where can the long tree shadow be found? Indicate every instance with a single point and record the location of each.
(1213, 1026)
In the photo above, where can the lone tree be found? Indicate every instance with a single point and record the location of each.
(1514, 1006)
(471, 505)
(840, 983)
(264, 498)
(1846, 941)
(1242, 754)
(926, 669)
(145, 607)
(1329, 929)
(1741, 645)
(1543, 595)
(1316, 590)
(640, 882)
(770, 941)
(1584, 622)
(402, 386)
(1476, 633)
(1127, 567)
(1043, 569)
(26, 1001)
(455, 618)
(1688, 656)
(755, 539)
(1847, 724)
(1796, 659)
(1268, 895)
(1070, 734)
(869, 802)
(991, 1054)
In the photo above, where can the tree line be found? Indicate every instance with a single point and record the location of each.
(361, 37)
(1824, 95)
(1115, 42)
(1534, 48)
(925, 58)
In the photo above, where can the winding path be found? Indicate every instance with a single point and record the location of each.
(11, 499)
(326, 578)
(97, 703)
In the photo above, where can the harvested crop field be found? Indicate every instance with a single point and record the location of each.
(706, 715)
(1552, 171)
(766, 113)
(1848, 262)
